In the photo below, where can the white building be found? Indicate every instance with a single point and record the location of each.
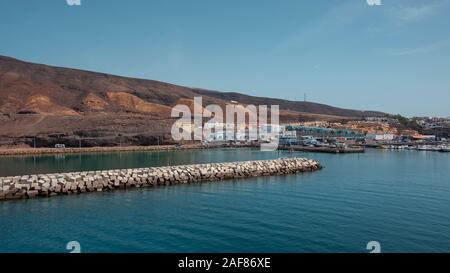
(380, 137)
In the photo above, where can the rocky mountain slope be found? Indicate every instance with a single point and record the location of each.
(53, 104)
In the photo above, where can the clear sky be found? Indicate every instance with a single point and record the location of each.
(394, 57)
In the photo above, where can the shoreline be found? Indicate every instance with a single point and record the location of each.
(52, 151)
(329, 150)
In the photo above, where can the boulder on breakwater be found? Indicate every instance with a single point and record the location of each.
(46, 185)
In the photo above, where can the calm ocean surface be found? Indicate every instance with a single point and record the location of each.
(401, 199)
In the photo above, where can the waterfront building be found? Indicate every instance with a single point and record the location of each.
(380, 137)
(321, 132)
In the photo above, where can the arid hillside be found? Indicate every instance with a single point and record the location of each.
(43, 105)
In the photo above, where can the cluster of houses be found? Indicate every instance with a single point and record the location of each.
(429, 123)
(221, 132)
(306, 135)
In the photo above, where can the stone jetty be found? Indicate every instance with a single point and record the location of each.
(47, 185)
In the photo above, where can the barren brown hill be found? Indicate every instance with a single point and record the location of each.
(43, 104)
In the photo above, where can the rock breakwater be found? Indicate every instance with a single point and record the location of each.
(47, 185)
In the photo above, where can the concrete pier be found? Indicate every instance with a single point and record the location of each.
(47, 185)
(329, 150)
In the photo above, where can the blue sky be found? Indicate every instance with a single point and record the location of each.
(394, 57)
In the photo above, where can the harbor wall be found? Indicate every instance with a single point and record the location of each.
(47, 185)
(155, 148)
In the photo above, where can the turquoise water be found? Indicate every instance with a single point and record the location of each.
(401, 199)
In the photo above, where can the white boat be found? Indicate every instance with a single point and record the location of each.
(428, 148)
(423, 148)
